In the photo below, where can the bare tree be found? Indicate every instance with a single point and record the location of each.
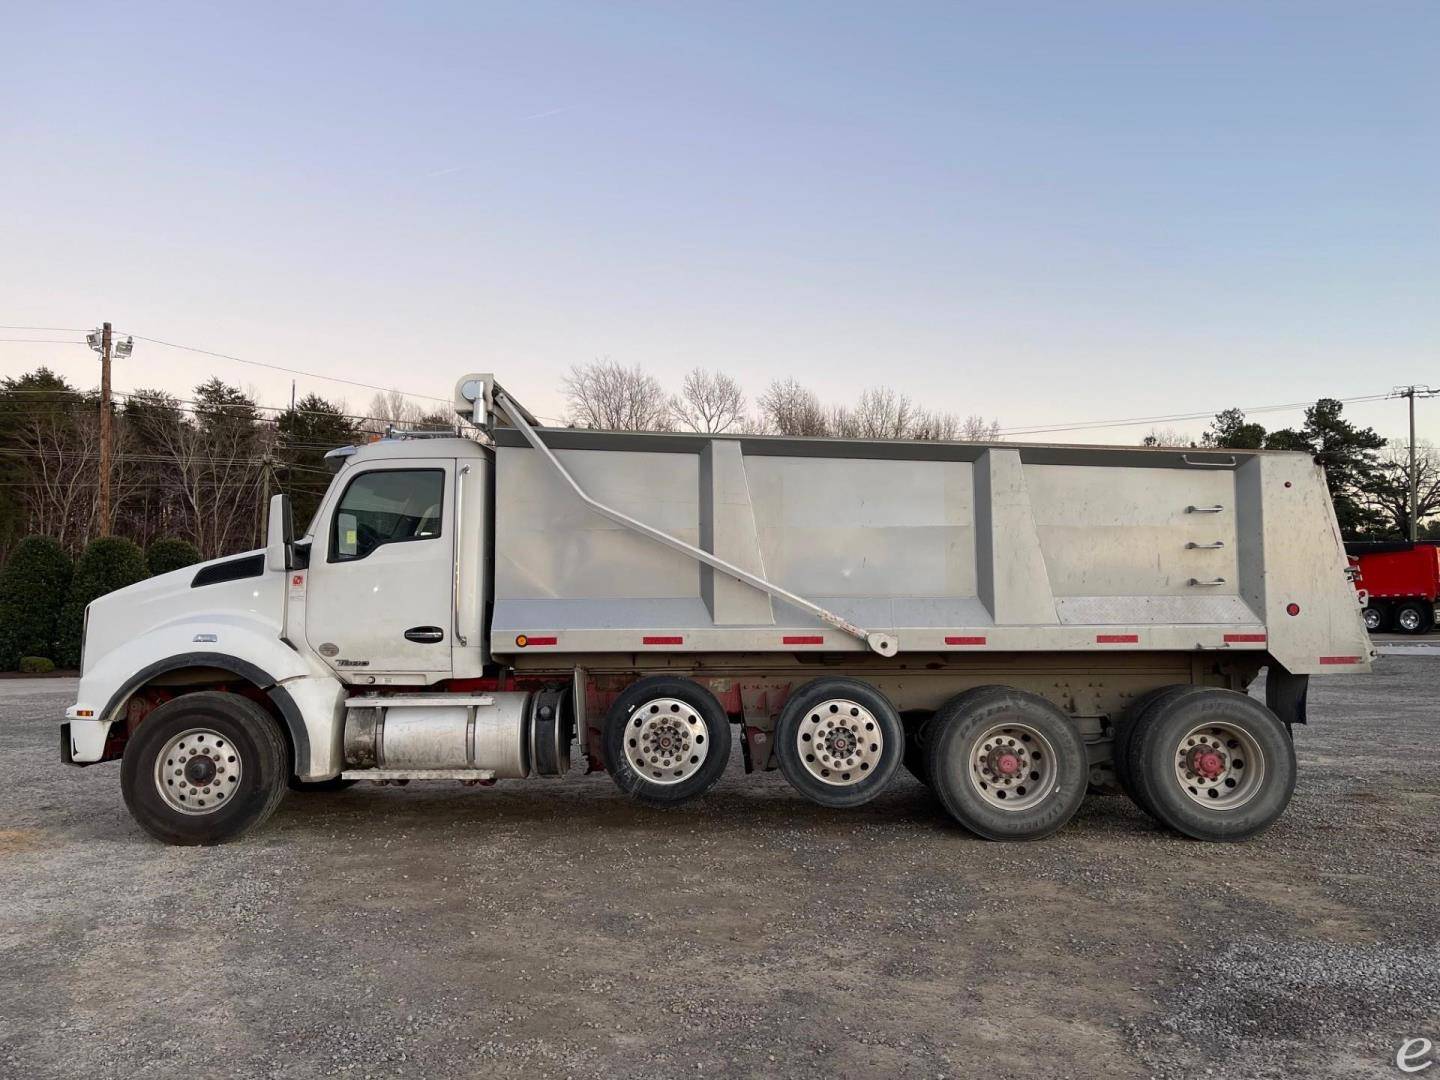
(390, 408)
(787, 408)
(215, 467)
(938, 426)
(1388, 492)
(1167, 437)
(60, 445)
(709, 402)
(612, 397)
(879, 413)
(975, 428)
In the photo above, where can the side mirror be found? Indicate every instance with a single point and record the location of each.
(279, 534)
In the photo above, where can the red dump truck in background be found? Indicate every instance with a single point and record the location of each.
(1399, 581)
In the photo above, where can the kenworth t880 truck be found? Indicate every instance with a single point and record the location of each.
(1015, 624)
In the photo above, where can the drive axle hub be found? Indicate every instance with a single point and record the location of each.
(1004, 762)
(1206, 761)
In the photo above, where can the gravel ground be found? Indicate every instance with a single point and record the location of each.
(553, 929)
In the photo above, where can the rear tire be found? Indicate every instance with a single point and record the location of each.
(1214, 765)
(1376, 618)
(204, 768)
(839, 741)
(666, 740)
(1008, 765)
(1132, 721)
(1412, 618)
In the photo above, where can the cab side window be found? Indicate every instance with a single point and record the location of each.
(387, 506)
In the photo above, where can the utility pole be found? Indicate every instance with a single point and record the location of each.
(103, 342)
(260, 511)
(1412, 392)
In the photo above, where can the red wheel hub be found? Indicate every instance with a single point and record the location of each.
(1005, 763)
(1206, 761)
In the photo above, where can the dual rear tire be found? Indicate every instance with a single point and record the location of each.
(1006, 764)
(1211, 764)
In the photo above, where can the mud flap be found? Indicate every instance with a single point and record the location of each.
(1285, 694)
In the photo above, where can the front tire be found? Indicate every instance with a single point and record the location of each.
(204, 768)
(1007, 765)
(1214, 765)
(666, 740)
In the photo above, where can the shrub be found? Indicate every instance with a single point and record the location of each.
(109, 563)
(36, 665)
(33, 587)
(168, 554)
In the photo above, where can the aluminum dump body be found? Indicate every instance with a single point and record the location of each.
(946, 546)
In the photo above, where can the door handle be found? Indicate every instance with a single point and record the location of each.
(425, 635)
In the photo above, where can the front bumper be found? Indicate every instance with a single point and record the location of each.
(82, 742)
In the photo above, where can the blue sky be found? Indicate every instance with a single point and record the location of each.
(1043, 212)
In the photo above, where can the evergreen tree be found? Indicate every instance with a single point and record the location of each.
(33, 587)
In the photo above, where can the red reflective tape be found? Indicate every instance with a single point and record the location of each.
(796, 639)
(964, 641)
(663, 640)
(1244, 637)
(1116, 639)
(541, 641)
(1341, 659)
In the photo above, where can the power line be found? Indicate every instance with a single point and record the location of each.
(280, 367)
(1134, 421)
(53, 329)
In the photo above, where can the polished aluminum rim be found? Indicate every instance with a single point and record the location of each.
(1409, 619)
(1013, 766)
(839, 742)
(666, 741)
(1219, 766)
(198, 771)
(1372, 619)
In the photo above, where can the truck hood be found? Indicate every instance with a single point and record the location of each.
(209, 595)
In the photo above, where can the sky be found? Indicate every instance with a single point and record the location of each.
(1043, 213)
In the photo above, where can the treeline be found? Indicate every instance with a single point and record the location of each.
(610, 396)
(1368, 475)
(200, 469)
(195, 469)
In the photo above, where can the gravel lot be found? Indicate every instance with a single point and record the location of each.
(546, 929)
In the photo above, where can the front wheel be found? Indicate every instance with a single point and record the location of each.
(204, 768)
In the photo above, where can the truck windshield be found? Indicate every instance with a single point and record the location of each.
(387, 506)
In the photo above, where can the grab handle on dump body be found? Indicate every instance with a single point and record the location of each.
(460, 475)
(884, 644)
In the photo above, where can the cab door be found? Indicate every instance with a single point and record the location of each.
(379, 590)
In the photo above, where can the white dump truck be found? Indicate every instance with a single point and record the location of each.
(1016, 624)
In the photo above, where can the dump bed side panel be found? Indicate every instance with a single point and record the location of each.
(945, 546)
